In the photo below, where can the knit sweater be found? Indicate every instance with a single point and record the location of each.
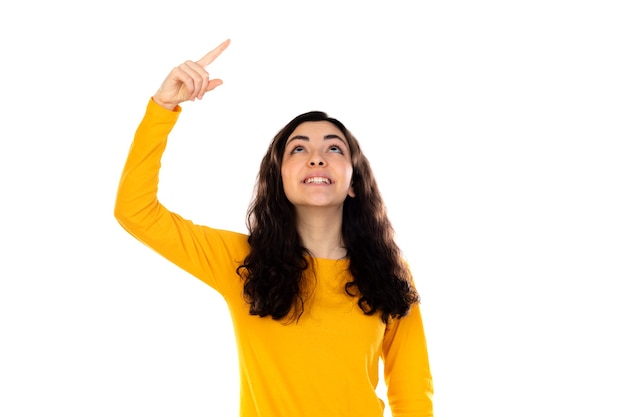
(325, 364)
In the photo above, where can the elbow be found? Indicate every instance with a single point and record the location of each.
(118, 212)
(126, 220)
(122, 214)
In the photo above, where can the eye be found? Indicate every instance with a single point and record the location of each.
(336, 149)
(297, 149)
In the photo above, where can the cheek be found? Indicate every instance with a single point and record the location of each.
(349, 174)
(286, 176)
(285, 173)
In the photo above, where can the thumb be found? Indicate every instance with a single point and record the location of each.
(216, 82)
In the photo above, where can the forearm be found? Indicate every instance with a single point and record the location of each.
(137, 191)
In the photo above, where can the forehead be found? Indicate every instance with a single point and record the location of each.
(320, 128)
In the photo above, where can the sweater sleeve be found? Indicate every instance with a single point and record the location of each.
(208, 254)
(407, 368)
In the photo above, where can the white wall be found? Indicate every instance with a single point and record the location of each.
(496, 133)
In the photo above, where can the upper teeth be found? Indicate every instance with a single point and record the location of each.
(317, 180)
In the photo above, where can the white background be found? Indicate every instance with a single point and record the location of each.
(496, 130)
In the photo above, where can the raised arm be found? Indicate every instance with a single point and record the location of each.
(202, 251)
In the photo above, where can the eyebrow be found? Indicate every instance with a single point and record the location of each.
(326, 137)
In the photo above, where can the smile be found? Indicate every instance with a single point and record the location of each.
(317, 180)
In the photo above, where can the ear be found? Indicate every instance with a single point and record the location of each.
(351, 192)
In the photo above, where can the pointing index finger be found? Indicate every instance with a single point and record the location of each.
(210, 57)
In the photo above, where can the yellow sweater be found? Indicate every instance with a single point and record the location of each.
(326, 364)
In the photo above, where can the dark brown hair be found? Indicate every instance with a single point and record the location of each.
(274, 268)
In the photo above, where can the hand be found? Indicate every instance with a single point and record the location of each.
(189, 81)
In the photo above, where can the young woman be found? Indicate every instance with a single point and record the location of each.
(318, 291)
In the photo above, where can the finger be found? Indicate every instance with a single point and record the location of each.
(210, 57)
(214, 83)
(200, 78)
(187, 80)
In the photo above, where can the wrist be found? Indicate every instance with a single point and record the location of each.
(157, 99)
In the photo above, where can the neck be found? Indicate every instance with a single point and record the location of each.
(320, 232)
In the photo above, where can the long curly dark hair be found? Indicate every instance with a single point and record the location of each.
(273, 270)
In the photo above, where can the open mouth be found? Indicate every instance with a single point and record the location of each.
(317, 180)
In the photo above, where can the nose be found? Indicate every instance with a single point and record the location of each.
(316, 159)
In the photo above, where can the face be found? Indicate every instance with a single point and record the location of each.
(317, 167)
